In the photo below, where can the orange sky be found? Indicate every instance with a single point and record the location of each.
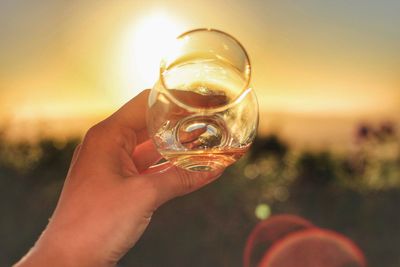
(63, 59)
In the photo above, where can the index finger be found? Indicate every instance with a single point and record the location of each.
(133, 113)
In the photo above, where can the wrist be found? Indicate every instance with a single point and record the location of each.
(57, 250)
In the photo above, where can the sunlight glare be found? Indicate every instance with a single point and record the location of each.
(144, 44)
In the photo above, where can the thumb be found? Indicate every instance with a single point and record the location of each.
(171, 181)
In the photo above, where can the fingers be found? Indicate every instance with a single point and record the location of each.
(170, 181)
(141, 136)
(125, 129)
(74, 157)
(190, 136)
(133, 113)
(145, 155)
(76, 153)
(157, 169)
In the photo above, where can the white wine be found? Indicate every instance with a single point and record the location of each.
(192, 137)
(204, 160)
(200, 143)
(204, 84)
(202, 113)
(203, 141)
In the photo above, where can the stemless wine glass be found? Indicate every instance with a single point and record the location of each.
(203, 114)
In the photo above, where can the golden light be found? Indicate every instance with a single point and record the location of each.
(143, 45)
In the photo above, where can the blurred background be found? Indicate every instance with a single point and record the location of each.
(327, 77)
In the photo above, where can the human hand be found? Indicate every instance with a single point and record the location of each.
(110, 193)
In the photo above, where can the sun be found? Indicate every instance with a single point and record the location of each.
(143, 45)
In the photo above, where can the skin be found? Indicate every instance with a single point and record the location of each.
(110, 193)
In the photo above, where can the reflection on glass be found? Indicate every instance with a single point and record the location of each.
(203, 115)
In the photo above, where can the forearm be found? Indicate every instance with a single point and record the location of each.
(52, 251)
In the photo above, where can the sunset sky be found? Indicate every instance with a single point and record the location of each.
(311, 59)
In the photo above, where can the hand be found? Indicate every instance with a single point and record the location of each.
(110, 193)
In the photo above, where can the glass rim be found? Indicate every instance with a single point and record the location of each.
(243, 92)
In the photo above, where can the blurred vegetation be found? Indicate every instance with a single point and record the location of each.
(356, 193)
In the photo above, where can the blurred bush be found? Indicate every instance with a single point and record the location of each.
(354, 193)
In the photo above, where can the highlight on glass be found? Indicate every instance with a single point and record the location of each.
(203, 113)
